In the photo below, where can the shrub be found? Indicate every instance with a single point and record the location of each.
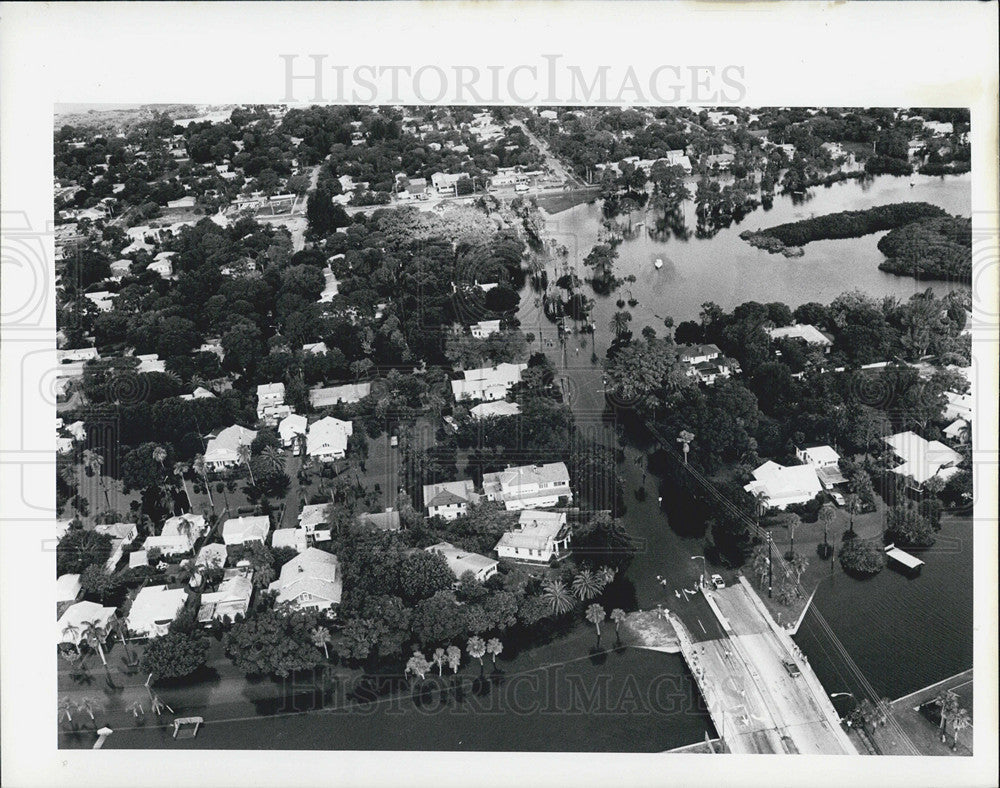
(858, 557)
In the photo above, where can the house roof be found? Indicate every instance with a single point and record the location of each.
(810, 334)
(524, 475)
(499, 408)
(351, 392)
(476, 382)
(68, 587)
(225, 446)
(445, 493)
(695, 351)
(461, 561)
(78, 616)
(293, 424)
(289, 537)
(155, 605)
(922, 459)
(328, 435)
(536, 530)
(313, 514)
(126, 531)
(384, 521)
(312, 571)
(246, 529)
(822, 454)
(779, 482)
(211, 555)
(268, 389)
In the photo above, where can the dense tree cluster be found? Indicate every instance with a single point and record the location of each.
(933, 248)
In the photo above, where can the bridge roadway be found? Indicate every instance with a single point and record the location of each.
(755, 704)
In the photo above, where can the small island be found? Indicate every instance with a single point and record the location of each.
(930, 248)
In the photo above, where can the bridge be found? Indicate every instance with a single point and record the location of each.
(759, 688)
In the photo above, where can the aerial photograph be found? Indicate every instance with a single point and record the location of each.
(510, 428)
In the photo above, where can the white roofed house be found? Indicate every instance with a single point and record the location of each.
(240, 530)
(68, 588)
(151, 362)
(75, 620)
(449, 499)
(485, 328)
(826, 462)
(499, 408)
(330, 286)
(311, 580)
(387, 520)
(271, 407)
(528, 486)
(958, 431)
(230, 599)
(959, 406)
(487, 383)
(326, 439)
(538, 538)
(289, 537)
(922, 459)
(315, 348)
(199, 393)
(223, 450)
(785, 485)
(461, 561)
(154, 610)
(335, 395)
(162, 265)
(127, 532)
(809, 334)
(290, 429)
(102, 299)
(312, 516)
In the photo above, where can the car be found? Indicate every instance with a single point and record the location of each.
(792, 668)
(838, 498)
(718, 582)
(394, 441)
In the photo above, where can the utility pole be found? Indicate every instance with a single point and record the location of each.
(769, 562)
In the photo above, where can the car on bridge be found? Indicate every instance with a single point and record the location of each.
(718, 582)
(792, 668)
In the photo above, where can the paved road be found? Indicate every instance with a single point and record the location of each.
(551, 160)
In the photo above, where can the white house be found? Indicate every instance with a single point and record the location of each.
(102, 299)
(311, 516)
(923, 459)
(271, 407)
(956, 431)
(485, 328)
(75, 619)
(182, 202)
(231, 599)
(223, 450)
(461, 561)
(826, 462)
(809, 334)
(528, 486)
(539, 537)
(326, 439)
(154, 609)
(315, 348)
(190, 526)
(349, 393)
(68, 588)
(487, 383)
(80, 355)
(290, 428)
(240, 530)
(959, 406)
(330, 286)
(698, 354)
(380, 521)
(783, 485)
(499, 408)
(199, 393)
(211, 555)
(446, 182)
(162, 267)
(289, 537)
(449, 499)
(311, 580)
(127, 532)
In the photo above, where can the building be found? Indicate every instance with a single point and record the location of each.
(182, 202)
(923, 459)
(706, 363)
(334, 395)
(450, 499)
(102, 299)
(240, 530)
(528, 486)
(326, 439)
(380, 521)
(487, 383)
(783, 486)
(698, 354)
(120, 268)
(199, 393)
(312, 516)
(811, 335)
(68, 588)
(289, 537)
(315, 348)
(290, 429)
(826, 462)
(959, 406)
(485, 328)
(211, 555)
(231, 599)
(189, 526)
(958, 431)
(161, 266)
(154, 610)
(722, 161)
(311, 580)
(330, 286)
(446, 182)
(461, 561)
(271, 407)
(538, 538)
(127, 532)
(223, 451)
(499, 408)
(73, 623)
(80, 355)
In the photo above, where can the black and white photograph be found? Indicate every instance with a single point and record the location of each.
(509, 425)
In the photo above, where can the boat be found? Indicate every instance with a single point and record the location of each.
(658, 263)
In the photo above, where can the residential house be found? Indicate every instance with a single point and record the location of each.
(315, 348)
(811, 335)
(380, 521)
(290, 429)
(311, 580)
(120, 268)
(80, 355)
(826, 461)
(461, 561)
(289, 537)
(722, 161)
(923, 459)
(199, 393)
(498, 408)
(349, 393)
(271, 407)
(706, 363)
(102, 299)
(959, 406)
(74, 621)
(182, 202)
(127, 532)
(485, 328)
(223, 451)
(151, 362)
(539, 537)
(330, 286)
(487, 383)
(229, 600)
(449, 499)
(446, 182)
(326, 439)
(162, 265)
(958, 430)
(240, 530)
(68, 588)
(154, 610)
(210, 555)
(528, 486)
(784, 485)
(313, 522)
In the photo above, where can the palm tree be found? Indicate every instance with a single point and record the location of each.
(960, 720)
(88, 706)
(494, 647)
(826, 516)
(122, 630)
(618, 616)
(619, 323)
(607, 575)
(320, 637)
(559, 599)
(685, 439)
(199, 467)
(454, 657)
(72, 631)
(791, 523)
(95, 635)
(760, 501)
(93, 461)
(439, 659)
(159, 454)
(587, 585)
(244, 454)
(136, 708)
(797, 565)
(948, 703)
(852, 502)
(274, 459)
(760, 563)
(595, 615)
(180, 468)
(477, 649)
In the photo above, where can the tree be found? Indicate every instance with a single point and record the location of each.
(826, 517)
(595, 615)
(78, 549)
(587, 585)
(557, 597)
(852, 502)
(453, 655)
(174, 655)
(618, 616)
(94, 635)
(476, 649)
(861, 557)
(423, 574)
(417, 665)
(494, 647)
(908, 527)
(439, 619)
(960, 720)
(199, 467)
(439, 659)
(320, 638)
(243, 452)
(273, 459)
(273, 642)
(181, 468)
(947, 702)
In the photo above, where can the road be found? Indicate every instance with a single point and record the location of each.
(551, 160)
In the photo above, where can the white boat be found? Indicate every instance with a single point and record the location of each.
(658, 263)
